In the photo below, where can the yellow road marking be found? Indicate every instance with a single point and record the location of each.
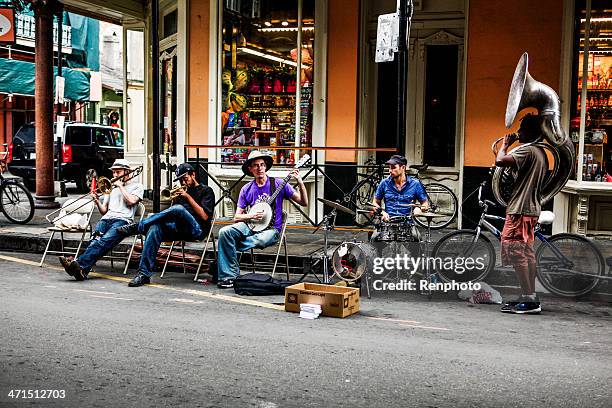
(23, 261)
(160, 286)
(227, 298)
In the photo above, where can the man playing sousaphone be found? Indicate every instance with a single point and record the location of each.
(239, 237)
(523, 210)
(398, 191)
(117, 209)
(188, 219)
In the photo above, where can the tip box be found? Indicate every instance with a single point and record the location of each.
(335, 301)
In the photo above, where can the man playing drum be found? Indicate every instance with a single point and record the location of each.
(399, 191)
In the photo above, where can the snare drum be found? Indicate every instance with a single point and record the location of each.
(386, 232)
(351, 259)
(408, 233)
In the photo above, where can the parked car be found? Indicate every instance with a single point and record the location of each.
(88, 150)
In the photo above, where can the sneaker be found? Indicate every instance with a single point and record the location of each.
(139, 280)
(508, 306)
(225, 284)
(527, 308)
(128, 229)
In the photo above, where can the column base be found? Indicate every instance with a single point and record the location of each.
(45, 202)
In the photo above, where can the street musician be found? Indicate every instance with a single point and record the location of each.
(117, 209)
(398, 191)
(187, 219)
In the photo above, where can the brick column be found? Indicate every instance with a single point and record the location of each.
(43, 97)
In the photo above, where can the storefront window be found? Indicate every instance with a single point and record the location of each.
(263, 91)
(595, 163)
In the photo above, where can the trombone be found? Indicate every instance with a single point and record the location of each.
(104, 186)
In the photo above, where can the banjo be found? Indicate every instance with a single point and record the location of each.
(266, 206)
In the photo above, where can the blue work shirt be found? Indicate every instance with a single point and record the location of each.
(411, 190)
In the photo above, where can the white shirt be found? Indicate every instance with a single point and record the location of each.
(118, 207)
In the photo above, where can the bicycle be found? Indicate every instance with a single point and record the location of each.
(567, 264)
(441, 198)
(363, 192)
(16, 202)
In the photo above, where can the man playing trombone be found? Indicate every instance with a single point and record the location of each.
(188, 219)
(117, 210)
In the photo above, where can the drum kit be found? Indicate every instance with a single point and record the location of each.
(351, 259)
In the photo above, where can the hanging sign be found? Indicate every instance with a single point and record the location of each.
(95, 86)
(387, 35)
(7, 25)
(59, 89)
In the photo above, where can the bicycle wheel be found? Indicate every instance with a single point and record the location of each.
(569, 265)
(16, 202)
(442, 201)
(363, 196)
(452, 251)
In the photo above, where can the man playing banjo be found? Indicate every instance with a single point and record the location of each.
(239, 237)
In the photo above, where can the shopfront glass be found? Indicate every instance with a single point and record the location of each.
(263, 91)
(595, 162)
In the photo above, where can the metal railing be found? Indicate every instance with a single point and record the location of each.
(26, 29)
(318, 171)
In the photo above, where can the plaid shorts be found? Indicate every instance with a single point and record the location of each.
(517, 240)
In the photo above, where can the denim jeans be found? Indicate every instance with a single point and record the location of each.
(172, 224)
(237, 238)
(108, 238)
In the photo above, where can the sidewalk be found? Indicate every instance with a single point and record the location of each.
(303, 247)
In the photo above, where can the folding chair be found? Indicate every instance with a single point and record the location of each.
(281, 242)
(210, 237)
(86, 207)
(127, 255)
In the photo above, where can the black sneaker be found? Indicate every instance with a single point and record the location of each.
(527, 308)
(128, 229)
(139, 280)
(225, 284)
(508, 306)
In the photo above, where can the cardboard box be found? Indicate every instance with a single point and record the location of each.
(335, 301)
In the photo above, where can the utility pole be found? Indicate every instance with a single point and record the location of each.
(60, 39)
(156, 97)
(44, 11)
(405, 8)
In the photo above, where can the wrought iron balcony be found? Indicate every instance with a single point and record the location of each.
(26, 30)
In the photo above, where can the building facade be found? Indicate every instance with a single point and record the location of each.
(301, 73)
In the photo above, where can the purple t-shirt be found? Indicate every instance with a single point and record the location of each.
(251, 194)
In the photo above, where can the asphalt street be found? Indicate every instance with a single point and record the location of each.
(177, 343)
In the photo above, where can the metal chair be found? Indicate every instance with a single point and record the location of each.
(76, 206)
(210, 237)
(127, 255)
(281, 242)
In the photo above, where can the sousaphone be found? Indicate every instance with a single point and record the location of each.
(526, 92)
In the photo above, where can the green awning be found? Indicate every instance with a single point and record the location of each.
(17, 77)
